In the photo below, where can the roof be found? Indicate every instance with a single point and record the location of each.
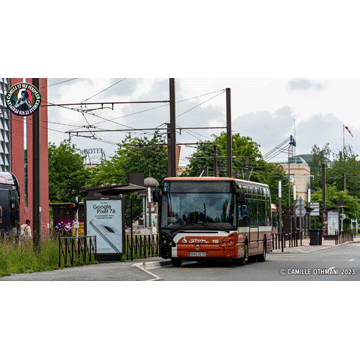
(117, 189)
(302, 159)
(212, 178)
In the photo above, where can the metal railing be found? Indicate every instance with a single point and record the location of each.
(344, 236)
(74, 251)
(279, 240)
(141, 246)
(293, 239)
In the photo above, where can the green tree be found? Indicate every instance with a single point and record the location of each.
(242, 146)
(351, 203)
(345, 164)
(67, 173)
(134, 155)
(319, 157)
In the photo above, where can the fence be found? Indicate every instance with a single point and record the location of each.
(141, 246)
(74, 250)
(344, 236)
(293, 239)
(279, 240)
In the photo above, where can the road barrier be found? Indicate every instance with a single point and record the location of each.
(73, 251)
(293, 239)
(141, 246)
(279, 240)
(344, 236)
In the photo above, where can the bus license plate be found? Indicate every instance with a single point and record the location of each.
(196, 254)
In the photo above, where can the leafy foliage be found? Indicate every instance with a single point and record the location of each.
(242, 146)
(67, 173)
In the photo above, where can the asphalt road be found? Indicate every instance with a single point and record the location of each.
(336, 263)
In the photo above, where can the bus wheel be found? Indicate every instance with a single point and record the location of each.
(176, 262)
(262, 257)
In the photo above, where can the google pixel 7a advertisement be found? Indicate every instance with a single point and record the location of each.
(104, 219)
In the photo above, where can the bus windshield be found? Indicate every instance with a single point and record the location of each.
(198, 211)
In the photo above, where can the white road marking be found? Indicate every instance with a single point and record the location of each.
(142, 267)
(352, 260)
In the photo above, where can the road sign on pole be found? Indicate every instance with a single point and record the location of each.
(300, 207)
(300, 211)
(300, 203)
(316, 207)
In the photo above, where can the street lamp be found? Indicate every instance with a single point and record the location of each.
(150, 183)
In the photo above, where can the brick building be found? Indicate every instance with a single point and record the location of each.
(16, 151)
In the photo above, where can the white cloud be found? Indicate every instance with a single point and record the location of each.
(264, 110)
(306, 84)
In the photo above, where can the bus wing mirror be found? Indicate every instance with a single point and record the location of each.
(240, 196)
(156, 194)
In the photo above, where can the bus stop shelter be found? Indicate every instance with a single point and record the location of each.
(105, 217)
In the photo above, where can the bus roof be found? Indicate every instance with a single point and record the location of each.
(213, 178)
(7, 178)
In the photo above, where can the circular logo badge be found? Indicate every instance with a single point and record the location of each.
(23, 99)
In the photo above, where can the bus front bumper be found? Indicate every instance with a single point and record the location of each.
(213, 251)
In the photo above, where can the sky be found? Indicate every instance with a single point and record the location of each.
(268, 110)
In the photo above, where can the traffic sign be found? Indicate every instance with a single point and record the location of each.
(316, 207)
(300, 211)
(342, 216)
(300, 203)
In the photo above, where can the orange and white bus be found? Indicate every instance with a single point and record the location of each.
(206, 218)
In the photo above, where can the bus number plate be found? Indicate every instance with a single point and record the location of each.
(197, 254)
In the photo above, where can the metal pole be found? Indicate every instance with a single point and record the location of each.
(172, 147)
(169, 149)
(131, 231)
(247, 168)
(36, 175)
(324, 217)
(215, 161)
(149, 206)
(77, 220)
(280, 211)
(228, 131)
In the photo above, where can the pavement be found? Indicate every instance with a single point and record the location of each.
(139, 269)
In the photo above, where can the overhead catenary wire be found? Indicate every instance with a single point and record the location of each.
(190, 132)
(104, 90)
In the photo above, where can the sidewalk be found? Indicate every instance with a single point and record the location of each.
(306, 247)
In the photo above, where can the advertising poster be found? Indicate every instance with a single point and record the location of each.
(333, 222)
(104, 219)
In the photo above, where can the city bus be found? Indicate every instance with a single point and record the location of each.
(212, 218)
(9, 204)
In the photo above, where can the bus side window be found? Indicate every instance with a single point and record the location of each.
(243, 216)
(262, 215)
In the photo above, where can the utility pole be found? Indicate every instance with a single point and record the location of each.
(344, 181)
(168, 149)
(280, 217)
(247, 168)
(36, 175)
(228, 130)
(324, 215)
(172, 129)
(215, 161)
